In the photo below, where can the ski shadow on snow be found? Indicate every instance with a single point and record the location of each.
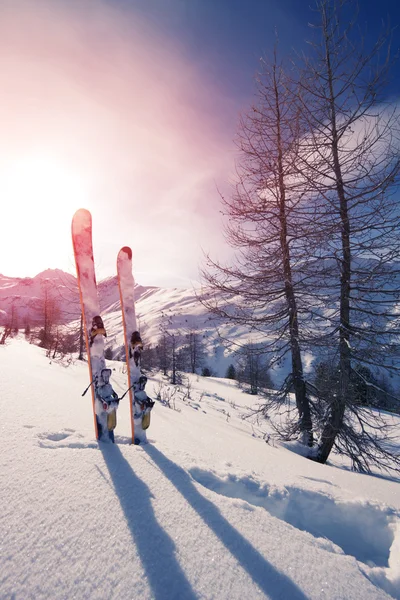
(155, 547)
(273, 583)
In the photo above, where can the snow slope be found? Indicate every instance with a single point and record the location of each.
(206, 510)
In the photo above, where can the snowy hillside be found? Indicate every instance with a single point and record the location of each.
(178, 305)
(206, 510)
(152, 303)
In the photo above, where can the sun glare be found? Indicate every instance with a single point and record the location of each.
(38, 197)
(40, 183)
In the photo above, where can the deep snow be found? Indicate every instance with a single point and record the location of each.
(206, 510)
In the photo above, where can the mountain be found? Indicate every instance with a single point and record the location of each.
(22, 299)
(25, 296)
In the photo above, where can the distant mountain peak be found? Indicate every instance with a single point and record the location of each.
(51, 274)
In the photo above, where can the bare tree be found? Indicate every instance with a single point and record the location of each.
(231, 372)
(252, 369)
(14, 320)
(149, 357)
(27, 330)
(6, 334)
(11, 325)
(50, 316)
(263, 289)
(162, 353)
(350, 158)
(174, 357)
(192, 353)
(167, 349)
(67, 297)
(81, 339)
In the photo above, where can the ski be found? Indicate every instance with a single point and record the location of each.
(104, 399)
(140, 403)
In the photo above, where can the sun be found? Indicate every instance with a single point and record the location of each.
(38, 196)
(39, 183)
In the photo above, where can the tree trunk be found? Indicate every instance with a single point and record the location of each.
(337, 409)
(81, 340)
(173, 357)
(303, 407)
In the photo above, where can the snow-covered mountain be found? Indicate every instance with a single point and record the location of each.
(153, 304)
(179, 307)
(25, 296)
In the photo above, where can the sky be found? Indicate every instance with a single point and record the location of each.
(129, 108)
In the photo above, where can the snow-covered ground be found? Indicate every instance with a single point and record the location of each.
(206, 510)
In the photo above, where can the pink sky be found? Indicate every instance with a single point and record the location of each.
(100, 110)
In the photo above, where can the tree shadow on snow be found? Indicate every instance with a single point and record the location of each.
(274, 584)
(389, 476)
(155, 547)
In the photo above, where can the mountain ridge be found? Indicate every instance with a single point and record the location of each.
(179, 306)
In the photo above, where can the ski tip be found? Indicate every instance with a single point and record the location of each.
(82, 220)
(82, 215)
(81, 212)
(127, 251)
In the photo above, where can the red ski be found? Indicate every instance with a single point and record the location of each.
(140, 403)
(104, 399)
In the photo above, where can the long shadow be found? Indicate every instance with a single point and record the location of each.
(273, 583)
(155, 547)
(387, 477)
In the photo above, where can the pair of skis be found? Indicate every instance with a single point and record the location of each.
(104, 400)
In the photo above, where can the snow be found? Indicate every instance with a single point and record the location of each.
(206, 510)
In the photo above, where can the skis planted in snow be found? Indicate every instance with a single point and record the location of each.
(104, 399)
(140, 403)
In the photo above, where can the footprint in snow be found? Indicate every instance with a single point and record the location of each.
(54, 439)
(367, 531)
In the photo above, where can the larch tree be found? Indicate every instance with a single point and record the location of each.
(263, 289)
(350, 158)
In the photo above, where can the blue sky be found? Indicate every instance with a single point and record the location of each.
(227, 37)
